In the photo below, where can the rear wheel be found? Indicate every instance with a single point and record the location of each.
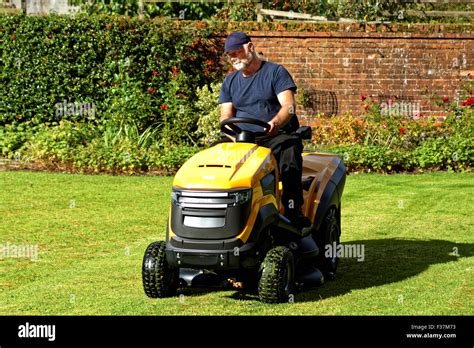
(159, 280)
(277, 276)
(327, 238)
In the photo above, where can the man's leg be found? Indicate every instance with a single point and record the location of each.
(287, 150)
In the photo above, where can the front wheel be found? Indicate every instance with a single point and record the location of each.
(277, 276)
(159, 280)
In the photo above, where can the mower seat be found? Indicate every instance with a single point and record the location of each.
(306, 182)
(304, 132)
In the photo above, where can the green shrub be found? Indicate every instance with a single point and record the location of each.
(140, 78)
(12, 138)
(104, 148)
(57, 143)
(117, 64)
(454, 153)
(376, 142)
(370, 158)
(209, 113)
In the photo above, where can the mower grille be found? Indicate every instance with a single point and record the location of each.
(209, 214)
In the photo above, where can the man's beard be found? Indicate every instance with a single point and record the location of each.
(239, 66)
(243, 63)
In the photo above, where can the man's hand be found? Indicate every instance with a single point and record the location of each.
(274, 128)
(287, 111)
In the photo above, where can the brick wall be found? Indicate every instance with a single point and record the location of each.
(407, 70)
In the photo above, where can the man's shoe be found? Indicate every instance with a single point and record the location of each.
(297, 218)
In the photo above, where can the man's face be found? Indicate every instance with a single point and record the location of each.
(242, 57)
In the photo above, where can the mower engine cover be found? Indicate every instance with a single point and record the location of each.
(218, 193)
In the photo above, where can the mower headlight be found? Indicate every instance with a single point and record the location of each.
(174, 197)
(240, 197)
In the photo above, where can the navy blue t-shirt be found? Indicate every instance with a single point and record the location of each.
(256, 96)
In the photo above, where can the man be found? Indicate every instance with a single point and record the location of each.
(265, 91)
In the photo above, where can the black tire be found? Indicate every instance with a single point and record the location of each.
(328, 234)
(277, 276)
(159, 280)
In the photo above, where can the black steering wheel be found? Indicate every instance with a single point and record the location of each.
(230, 127)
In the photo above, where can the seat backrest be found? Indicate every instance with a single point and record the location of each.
(304, 132)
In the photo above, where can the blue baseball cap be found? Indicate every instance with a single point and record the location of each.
(235, 40)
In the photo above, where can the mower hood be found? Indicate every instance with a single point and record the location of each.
(224, 166)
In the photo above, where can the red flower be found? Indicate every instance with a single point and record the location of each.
(401, 130)
(164, 107)
(195, 42)
(151, 90)
(363, 97)
(154, 72)
(445, 99)
(468, 102)
(175, 71)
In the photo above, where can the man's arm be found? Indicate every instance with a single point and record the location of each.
(227, 111)
(287, 111)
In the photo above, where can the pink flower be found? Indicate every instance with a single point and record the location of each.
(390, 102)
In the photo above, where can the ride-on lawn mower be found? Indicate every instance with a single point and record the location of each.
(226, 221)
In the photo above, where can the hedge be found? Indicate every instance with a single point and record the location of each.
(51, 64)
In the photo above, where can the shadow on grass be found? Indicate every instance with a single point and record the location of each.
(386, 261)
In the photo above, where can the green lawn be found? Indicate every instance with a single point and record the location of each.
(91, 233)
